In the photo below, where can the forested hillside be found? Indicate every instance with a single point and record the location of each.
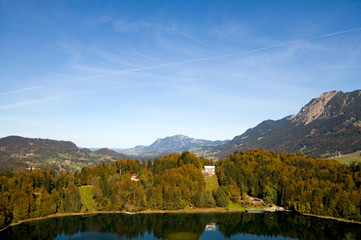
(300, 183)
(304, 184)
(20, 153)
(325, 126)
(171, 182)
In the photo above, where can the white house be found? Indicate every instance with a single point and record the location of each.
(209, 170)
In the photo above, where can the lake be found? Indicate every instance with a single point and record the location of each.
(281, 225)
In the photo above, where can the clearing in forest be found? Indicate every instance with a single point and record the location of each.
(349, 158)
(86, 194)
(211, 182)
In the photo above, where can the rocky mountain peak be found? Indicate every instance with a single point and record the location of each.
(176, 143)
(180, 136)
(314, 108)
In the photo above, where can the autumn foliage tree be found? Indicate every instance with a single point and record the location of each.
(297, 182)
(301, 183)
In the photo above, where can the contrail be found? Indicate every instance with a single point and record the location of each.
(196, 60)
(28, 102)
(337, 33)
(234, 54)
(21, 90)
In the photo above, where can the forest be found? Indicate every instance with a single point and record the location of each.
(296, 182)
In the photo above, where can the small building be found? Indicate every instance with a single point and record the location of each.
(257, 201)
(209, 170)
(134, 177)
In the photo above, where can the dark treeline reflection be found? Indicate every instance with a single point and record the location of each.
(190, 226)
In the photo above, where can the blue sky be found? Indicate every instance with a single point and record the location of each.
(124, 73)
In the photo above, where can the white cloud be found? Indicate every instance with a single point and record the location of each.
(230, 30)
(28, 102)
(96, 20)
(121, 25)
(343, 67)
(21, 90)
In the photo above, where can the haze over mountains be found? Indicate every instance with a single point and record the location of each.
(328, 124)
(177, 143)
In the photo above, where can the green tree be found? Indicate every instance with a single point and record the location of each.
(220, 197)
(6, 215)
(71, 201)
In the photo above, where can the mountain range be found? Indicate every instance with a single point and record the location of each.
(177, 143)
(326, 126)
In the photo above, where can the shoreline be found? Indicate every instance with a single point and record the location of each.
(330, 218)
(197, 210)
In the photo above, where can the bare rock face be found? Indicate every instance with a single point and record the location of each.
(313, 109)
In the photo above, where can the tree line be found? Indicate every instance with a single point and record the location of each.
(296, 182)
(168, 183)
(300, 183)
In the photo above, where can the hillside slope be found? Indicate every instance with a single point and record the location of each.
(326, 125)
(20, 153)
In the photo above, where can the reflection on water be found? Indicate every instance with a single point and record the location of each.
(210, 227)
(185, 226)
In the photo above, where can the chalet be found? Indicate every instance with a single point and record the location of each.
(257, 201)
(209, 170)
(134, 177)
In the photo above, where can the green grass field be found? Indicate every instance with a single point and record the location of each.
(348, 158)
(211, 182)
(86, 194)
(234, 205)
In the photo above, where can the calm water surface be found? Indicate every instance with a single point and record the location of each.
(185, 226)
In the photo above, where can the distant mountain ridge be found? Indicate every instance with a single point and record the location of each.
(257, 132)
(20, 153)
(180, 142)
(176, 143)
(16, 143)
(326, 125)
